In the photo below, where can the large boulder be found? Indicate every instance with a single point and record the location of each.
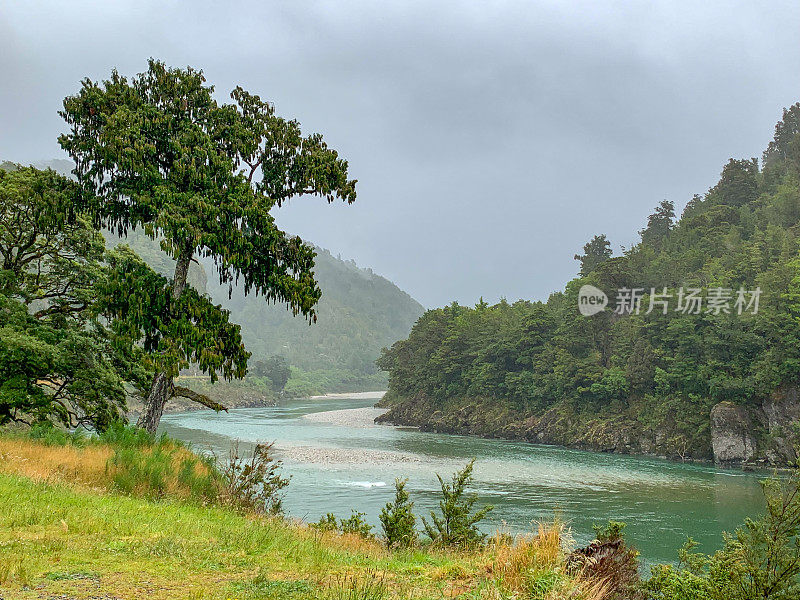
(732, 438)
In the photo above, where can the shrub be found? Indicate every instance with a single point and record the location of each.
(120, 435)
(355, 523)
(50, 435)
(326, 522)
(254, 483)
(457, 525)
(397, 518)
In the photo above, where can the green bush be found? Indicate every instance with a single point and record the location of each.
(458, 524)
(254, 483)
(355, 523)
(121, 435)
(397, 518)
(50, 435)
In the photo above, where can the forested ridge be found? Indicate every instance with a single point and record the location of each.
(673, 384)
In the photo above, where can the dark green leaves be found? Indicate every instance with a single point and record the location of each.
(173, 332)
(158, 151)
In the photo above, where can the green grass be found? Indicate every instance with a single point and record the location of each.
(78, 543)
(126, 515)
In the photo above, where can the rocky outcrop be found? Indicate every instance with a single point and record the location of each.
(767, 434)
(732, 439)
(781, 417)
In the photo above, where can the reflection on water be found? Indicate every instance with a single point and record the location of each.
(340, 461)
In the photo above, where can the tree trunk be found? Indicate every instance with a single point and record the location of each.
(163, 388)
(181, 272)
(160, 393)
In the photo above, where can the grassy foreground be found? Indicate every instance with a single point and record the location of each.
(66, 531)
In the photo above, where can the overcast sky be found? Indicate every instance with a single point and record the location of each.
(491, 140)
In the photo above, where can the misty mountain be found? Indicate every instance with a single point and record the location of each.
(360, 312)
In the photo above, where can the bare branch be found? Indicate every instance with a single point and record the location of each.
(196, 397)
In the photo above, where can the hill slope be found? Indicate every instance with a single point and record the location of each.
(359, 313)
(720, 381)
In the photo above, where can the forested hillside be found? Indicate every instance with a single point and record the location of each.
(359, 313)
(660, 375)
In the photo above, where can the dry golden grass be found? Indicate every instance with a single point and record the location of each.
(94, 466)
(532, 566)
(513, 561)
(83, 467)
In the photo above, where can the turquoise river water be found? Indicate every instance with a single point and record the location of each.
(339, 460)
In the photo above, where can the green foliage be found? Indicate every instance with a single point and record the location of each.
(659, 224)
(595, 252)
(320, 381)
(457, 525)
(160, 153)
(327, 522)
(120, 435)
(355, 523)
(46, 433)
(254, 483)
(359, 313)
(397, 518)
(532, 357)
(174, 332)
(276, 369)
(609, 532)
(59, 358)
(158, 470)
(540, 584)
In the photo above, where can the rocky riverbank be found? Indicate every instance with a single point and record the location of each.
(761, 435)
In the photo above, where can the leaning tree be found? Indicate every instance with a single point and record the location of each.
(159, 152)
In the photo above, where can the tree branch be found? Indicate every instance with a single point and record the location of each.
(196, 397)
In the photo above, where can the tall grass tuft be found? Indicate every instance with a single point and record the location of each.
(370, 586)
(162, 470)
(519, 564)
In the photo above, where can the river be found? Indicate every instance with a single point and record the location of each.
(339, 460)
